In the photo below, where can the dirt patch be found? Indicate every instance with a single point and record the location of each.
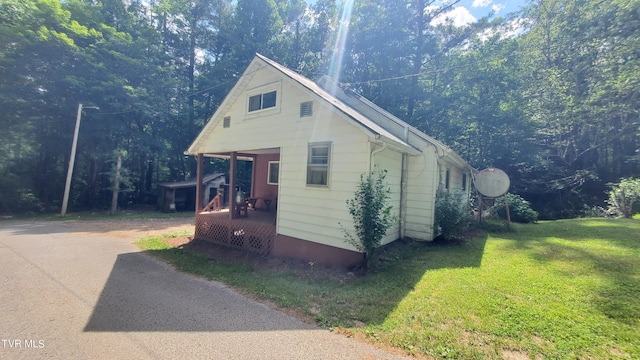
(133, 229)
(514, 355)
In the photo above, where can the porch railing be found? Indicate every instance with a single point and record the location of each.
(241, 234)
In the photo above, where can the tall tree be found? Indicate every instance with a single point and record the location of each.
(581, 91)
(257, 22)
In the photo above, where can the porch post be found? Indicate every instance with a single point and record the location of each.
(199, 176)
(232, 185)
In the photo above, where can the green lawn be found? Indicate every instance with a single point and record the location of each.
(561, 289)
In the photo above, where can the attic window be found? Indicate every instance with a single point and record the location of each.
(464, 182)
(262, 101)
(226, 122)
(306, 109)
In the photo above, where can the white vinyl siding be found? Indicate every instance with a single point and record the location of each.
(315, 213)
(455, 177)
(422, 178)
(391, 161)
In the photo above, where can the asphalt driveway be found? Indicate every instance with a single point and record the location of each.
(67, 293)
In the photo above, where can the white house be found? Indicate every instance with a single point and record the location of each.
(309, 143)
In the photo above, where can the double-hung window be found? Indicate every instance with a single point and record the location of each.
(318, 160)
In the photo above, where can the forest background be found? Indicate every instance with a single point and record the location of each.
(549, 94)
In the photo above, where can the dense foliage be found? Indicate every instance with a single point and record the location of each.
(624, 197)
(453, 215)
(548, 94)
(520, 210)
(371, 214)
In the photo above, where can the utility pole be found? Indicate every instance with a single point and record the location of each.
(72, 159)
(116, 184)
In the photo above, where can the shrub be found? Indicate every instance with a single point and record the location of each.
(519, 209)
(371, 214)
(624, 197)
(453, 215)
(594, 212)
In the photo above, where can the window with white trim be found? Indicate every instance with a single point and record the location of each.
(318, 161)
(273, 172)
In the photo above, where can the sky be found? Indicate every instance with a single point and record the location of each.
(468, 11)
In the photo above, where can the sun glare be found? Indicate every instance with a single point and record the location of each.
(335, 65)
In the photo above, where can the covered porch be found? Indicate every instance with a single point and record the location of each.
(247, 220)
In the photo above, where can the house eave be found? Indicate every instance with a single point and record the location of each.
(395, 145)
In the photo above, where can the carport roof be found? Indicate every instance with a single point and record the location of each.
(190, 183)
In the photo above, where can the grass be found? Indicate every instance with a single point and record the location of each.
(560, 289)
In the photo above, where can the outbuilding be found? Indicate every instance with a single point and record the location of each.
(181, 195)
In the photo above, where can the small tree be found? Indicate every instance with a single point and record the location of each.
(371, 214)
(624, 197)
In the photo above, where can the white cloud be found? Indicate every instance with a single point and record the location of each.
(513, 28)
(459, 16)
(497, 7)
(481, 3)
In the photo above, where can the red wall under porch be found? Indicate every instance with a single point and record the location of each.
(261, 189)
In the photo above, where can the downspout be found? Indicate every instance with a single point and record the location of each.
(436, 182)
(374, 152)
(403, 184)
(403, 200)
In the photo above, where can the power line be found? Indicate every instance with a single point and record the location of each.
(424, 72)
(186, 95)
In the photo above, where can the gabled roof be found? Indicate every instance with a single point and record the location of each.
(364, 113)
(385, 119)
(327, 96)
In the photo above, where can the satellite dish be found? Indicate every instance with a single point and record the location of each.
(492, 182)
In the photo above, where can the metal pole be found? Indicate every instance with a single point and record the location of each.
(72, 159)
(116, 185)
(199, 175)
(506, 205)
